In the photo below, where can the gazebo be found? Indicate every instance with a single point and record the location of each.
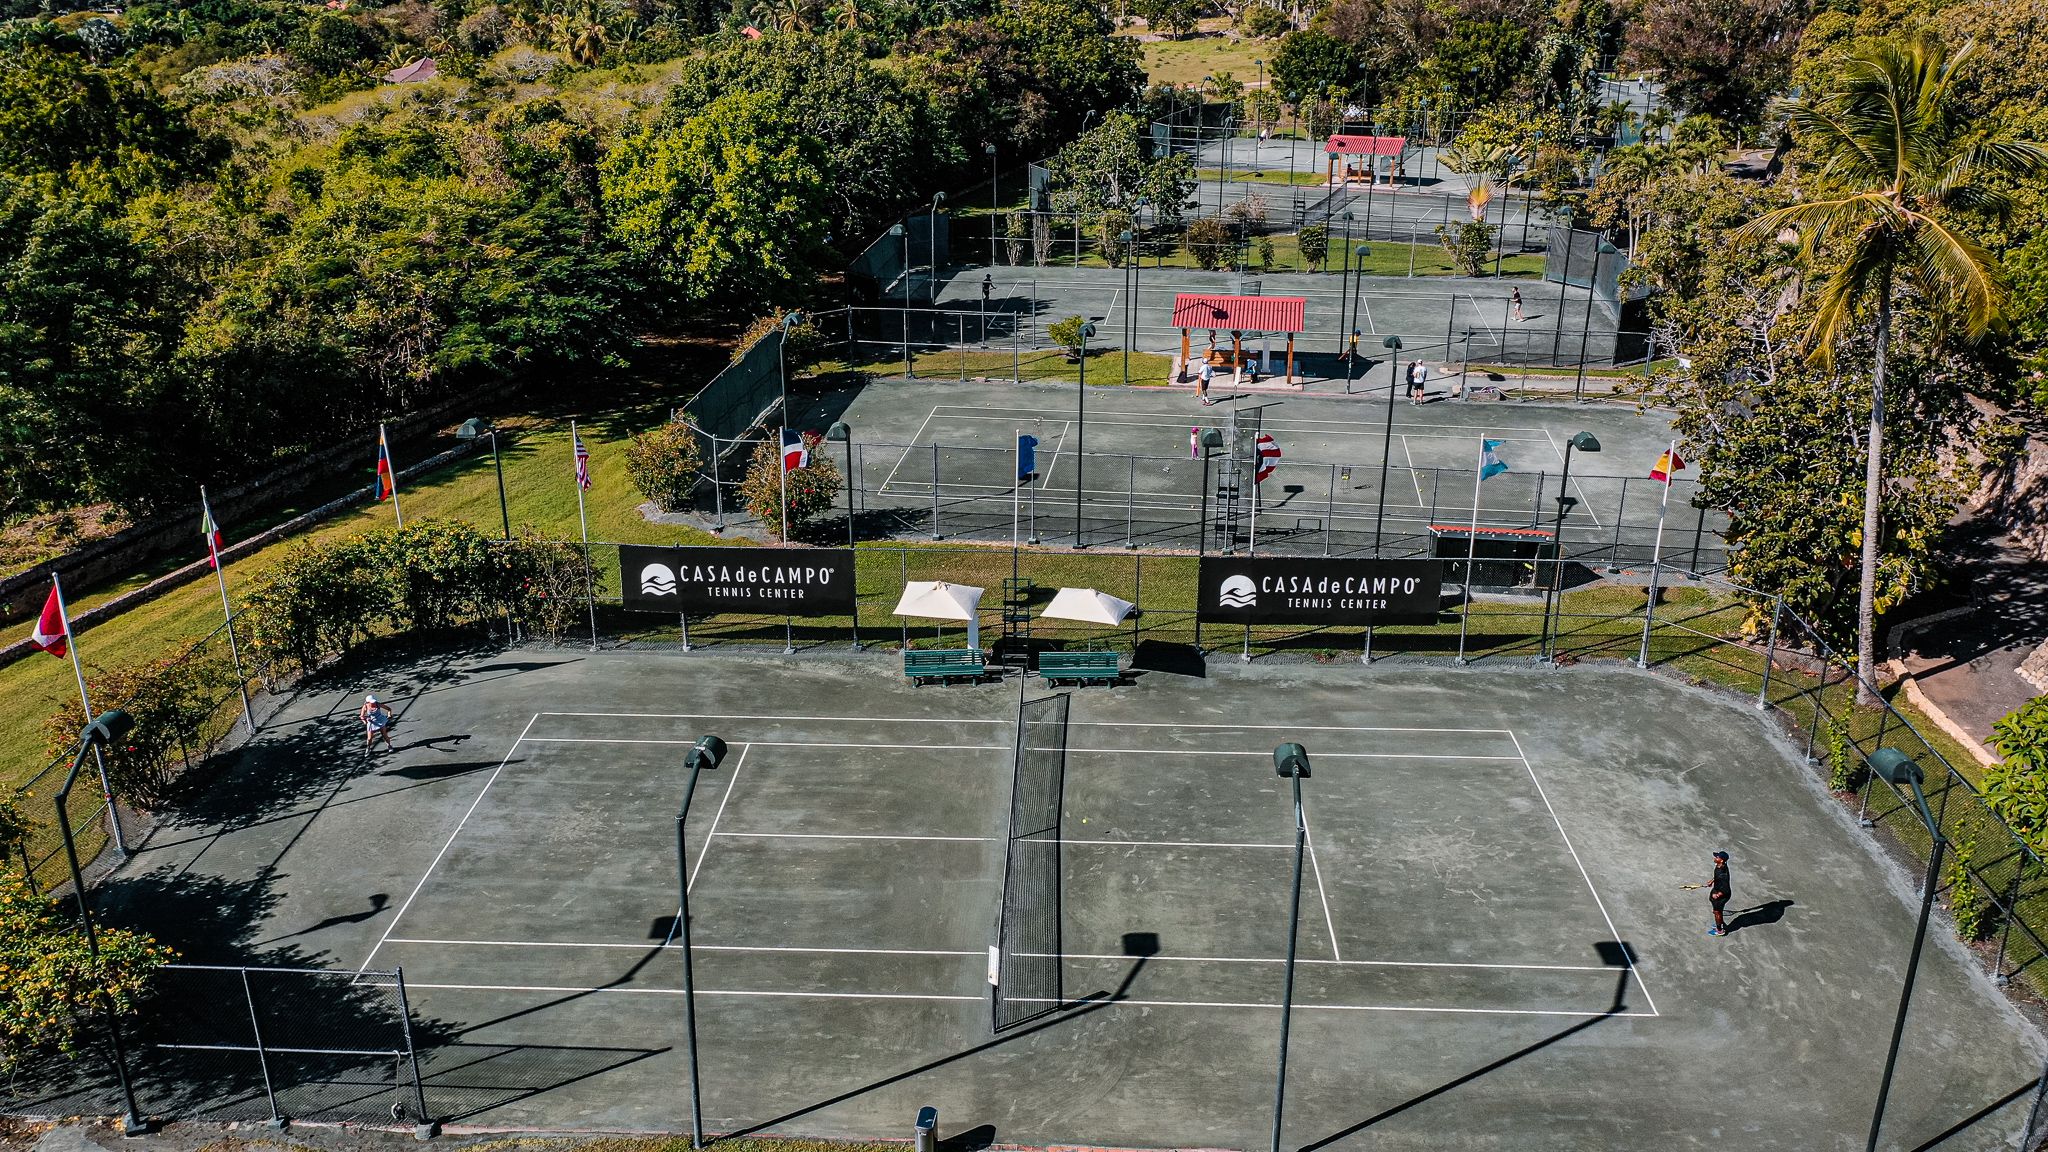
(1236, 315)
(1371, 148)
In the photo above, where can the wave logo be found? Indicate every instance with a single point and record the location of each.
(657, 580)
(1237, 592)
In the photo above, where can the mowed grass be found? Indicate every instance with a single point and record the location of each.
(1105, 366)
(1387, 258)
(1188, 61)
(540, 491)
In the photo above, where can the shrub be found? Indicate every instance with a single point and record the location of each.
(1109, 230)
(1263, 21)
(1067, 334)
(800, 349)
(1845, 767)
(2016, 788)
(1974, 915)
(1014, 232)
(1314, 244)
(1210, 242)
(1266, 254)
(811, 488)
(550, 580)
(444, 573)
(171, 700)
(663, 463)
(53, 983)
(1469, 242)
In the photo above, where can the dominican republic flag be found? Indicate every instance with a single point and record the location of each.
(1269, 457)
(387, 479)
(211, 531)
(1027, 457)
(582, 464)
(1667, 466)
(52, 634)
(1490, 463)
(794, 454)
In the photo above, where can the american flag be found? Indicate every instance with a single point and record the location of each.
(1269, 457)
(582, 464)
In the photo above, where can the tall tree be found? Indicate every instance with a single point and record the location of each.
(1891, 157)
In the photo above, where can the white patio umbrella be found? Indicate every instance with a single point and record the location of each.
(1088, 605)
(938, 600)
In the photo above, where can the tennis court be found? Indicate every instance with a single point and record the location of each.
(1493, 942)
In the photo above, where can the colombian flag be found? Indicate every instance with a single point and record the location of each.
(386, 481)
(1667, 466)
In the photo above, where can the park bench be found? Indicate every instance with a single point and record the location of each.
(943, 664)
(1080, 667)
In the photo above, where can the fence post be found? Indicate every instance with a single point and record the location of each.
(262, 1057)
(1620, 509)
(1330, 510)
(423, 1124)
(717, 488)
(2011, 909)
(1649, 614)
(935, 490)
(1137, 599)
(902, 579)
(2034, 1111)
(1763, 694)
(28, 870)
(685, 618)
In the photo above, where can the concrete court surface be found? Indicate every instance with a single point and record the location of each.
(1435, 449)
(1431, 314)
(1497, 952)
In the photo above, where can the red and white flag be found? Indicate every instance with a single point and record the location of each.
(53, 632)
(582, 464)
(211, 532)
(795, 453)
(1269, 457)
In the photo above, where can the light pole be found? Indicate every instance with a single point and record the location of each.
(1290, 761)
(707, 754)
(100, 734)
(1387, 445)
(1351, 364)
(1129, 240)
(1081, 430)
(1357, 290)
(1554, 591)
(1294, 111)
(468, 432)
(995, 203)
(1344, 289)
(842, 433)
(898, 229)
(932, 218)
(1211, 438)
(1896, 768)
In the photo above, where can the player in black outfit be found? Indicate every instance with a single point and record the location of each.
(1717, 893)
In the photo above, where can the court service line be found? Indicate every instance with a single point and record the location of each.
(1012, 723)
(1045, 477)
(982, 954)
(1167, 421)
(436, 862)
(1414, 473)
(1583, 502)
(730, 781)
(987, 840)
(785, 743)
(940, 997)
(914, 438)
(1309, 839)
(1007, 748)
(1626, 953)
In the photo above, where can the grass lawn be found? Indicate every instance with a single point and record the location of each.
(1187, 61)
(1388, 258)
(1311, 179)
(1104, 367)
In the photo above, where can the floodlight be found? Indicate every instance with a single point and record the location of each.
(707, 754)
(108, 727)
(1585, 442)
(471, 428)
(1895, 768)
(840, 432)
(1291, 760)
(1393, 342)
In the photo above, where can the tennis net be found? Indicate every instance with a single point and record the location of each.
(1028, 958)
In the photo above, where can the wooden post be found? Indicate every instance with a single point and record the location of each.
(1183, 355)
(1290, 357)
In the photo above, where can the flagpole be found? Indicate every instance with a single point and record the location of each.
(583, 521)
(85, 702)
(1016, 501)
(384, 446)
(1471, 548)
(1657, 554)
(220, 578)
(782, 476)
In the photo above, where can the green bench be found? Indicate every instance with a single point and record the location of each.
(1080, 667)
(943, 664)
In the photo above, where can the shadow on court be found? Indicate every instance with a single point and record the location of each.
(1138, 946)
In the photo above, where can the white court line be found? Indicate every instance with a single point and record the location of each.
(785, 743)
(1007, 748)
(854, 836)
(1045, 477)
(927, 996)
(1012, 723)
(1309, 839)
(720, 815)
(1449, 433)
(967, 491)
(1414, 473)
(1366, 303)
(914, 438)
(436, 862)
(982, 954)
(1576, 486)
(1626, 957)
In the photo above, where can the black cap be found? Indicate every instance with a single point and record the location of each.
(1720, 855)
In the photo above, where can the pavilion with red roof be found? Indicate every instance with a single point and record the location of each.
(1236, 315)
(1374, 149)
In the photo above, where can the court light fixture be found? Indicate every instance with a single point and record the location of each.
(107, 728)
(1291, 760)
(706, 755)
(1585, 442)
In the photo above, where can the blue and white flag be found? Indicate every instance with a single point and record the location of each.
(1027, 457)
(1490, 463)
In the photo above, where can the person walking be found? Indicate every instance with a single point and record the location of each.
(1418, 379)
(1717, 893)
(988, 287)
(1515, 302)
(377, 723)
(1202, 381)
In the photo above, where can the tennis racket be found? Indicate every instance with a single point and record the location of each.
(1690, 887)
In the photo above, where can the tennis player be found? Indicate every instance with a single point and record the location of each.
(376, 718)
(1717, 893)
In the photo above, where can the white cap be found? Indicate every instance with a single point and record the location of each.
(370, 699)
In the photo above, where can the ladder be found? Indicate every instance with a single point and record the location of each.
(1016, 617)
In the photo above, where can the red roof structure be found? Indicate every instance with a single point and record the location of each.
(1239, 313)
(1341, 145)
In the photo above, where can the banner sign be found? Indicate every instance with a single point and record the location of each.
(784, 581)
(1291, 590)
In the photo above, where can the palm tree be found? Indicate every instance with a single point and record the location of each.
(1615, 118)
(849, 16)
(1655, 122)
(1891, 153)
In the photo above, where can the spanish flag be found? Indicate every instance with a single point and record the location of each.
(1667, 466)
